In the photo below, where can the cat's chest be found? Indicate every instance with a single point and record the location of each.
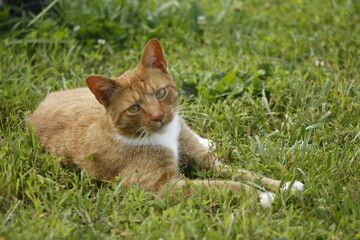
(167, 138)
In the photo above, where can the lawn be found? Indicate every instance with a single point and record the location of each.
(276, 84)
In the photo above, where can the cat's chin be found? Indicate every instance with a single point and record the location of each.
(159, 127)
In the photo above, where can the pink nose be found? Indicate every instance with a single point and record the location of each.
(157, 116)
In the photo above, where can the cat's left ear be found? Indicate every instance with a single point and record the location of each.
(152, 56)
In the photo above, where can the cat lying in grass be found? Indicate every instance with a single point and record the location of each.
(129, 127)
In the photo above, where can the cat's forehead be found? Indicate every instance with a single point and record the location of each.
(144, 82)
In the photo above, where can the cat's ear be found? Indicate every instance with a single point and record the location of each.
(102, 87)
(152, 56)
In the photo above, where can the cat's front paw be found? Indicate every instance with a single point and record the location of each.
(266, 199)
(296, 186)
(208, 144)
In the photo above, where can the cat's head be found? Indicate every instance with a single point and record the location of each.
(142, 100)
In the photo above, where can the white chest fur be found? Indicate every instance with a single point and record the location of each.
(167, 137)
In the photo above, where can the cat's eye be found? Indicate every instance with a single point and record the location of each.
(134, 109)
(160, 93)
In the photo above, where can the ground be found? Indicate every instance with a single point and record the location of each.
(275, 84)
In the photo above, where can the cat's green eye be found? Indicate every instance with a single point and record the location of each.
(134, 109)
(160, 93)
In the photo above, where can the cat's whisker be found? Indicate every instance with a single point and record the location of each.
(189, 117)
(177, 108)
(138, 130)
(186, 109)
(142, 131)
(199, 113)
(144, 135)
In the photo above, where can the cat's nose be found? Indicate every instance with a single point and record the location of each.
(157, 117)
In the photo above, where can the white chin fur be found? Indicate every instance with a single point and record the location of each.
(296, 186)
(266, 199)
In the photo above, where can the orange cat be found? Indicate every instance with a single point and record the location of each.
(131, 129)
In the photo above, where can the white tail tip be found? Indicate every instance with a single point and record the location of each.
(296, 186)
(266, 198)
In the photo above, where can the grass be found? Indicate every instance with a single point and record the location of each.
(274, 83)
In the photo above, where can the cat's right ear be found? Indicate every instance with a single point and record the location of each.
(102, 87)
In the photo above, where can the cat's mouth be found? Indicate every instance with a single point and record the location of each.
(151, 128)
(160, 126)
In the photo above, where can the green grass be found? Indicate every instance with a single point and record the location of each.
(275, 84)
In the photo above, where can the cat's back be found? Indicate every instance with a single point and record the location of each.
(65, 111)
(68, 103)
(77, 96)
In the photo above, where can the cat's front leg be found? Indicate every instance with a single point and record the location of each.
(195, 149)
